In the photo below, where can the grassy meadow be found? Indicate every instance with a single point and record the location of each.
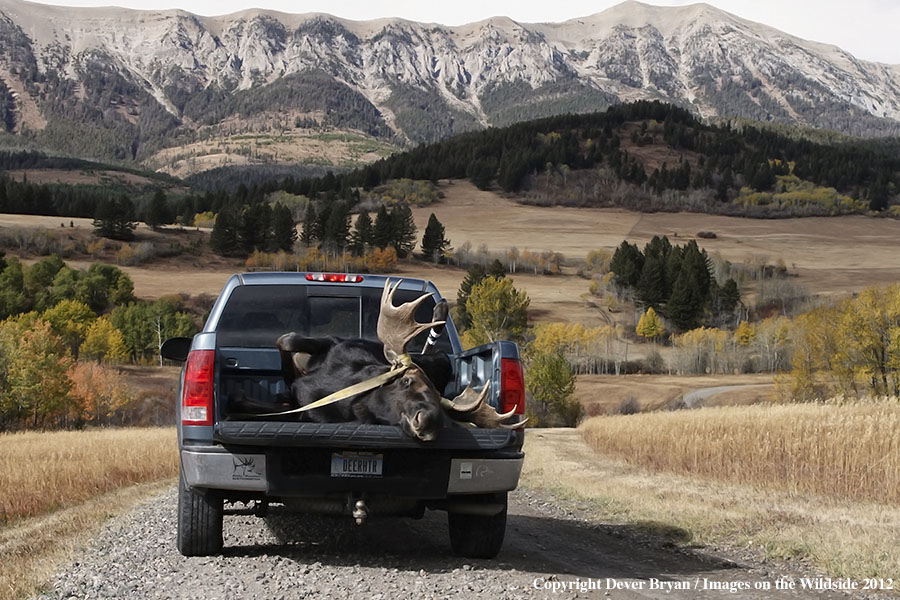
(848, 451)
(840, 537)
(58, 487)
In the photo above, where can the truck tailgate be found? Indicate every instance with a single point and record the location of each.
(355, 435)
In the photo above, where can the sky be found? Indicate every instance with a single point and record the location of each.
(868, 29)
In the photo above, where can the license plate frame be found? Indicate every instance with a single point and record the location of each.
(357, 464)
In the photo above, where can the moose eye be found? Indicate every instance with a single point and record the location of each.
(405, 382)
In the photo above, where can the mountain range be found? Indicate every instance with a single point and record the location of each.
(167, 87)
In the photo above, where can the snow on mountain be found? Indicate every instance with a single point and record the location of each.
(422, 81)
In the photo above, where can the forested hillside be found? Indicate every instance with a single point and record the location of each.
(645, 156)
(651, 156)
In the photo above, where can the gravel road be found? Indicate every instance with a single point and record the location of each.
(291, 556)
(696, 398)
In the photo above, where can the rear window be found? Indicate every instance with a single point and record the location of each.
(257, 315)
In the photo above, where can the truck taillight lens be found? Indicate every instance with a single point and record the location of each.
(334, 277)
(197, 395)
(512, 386)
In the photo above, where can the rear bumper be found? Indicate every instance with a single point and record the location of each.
(303, 472)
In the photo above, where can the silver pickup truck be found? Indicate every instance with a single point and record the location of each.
(352, 469)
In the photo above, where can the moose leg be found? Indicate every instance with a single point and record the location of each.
(292, 345)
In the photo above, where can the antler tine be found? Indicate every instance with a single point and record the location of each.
(469, 400)
(474, 409)
(397, 324)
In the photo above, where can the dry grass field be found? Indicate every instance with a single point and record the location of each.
(54, 470)
(58, 487)
(829, 254)
(846, 451)
(839, 537)
(269, 146)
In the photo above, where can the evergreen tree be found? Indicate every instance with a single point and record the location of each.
(307, 234)
(473, 276)
(685, 306)
(253, 229)
(224, 238)
(284, 231)
(434, 244)
(337, 228)
(383, 234)
(730, 295)
(651, 286)
(157, 213)
(496, 269)
(404, 230)
(362, 236)
(626, 264)
(115, 218)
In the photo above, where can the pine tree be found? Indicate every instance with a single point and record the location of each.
(115, 218)
(626, 264)
(685, 306)
(404, 230)
(224, 237)
(307, 234)
(496, 269)
(362, 236)
(254, 231)
(434, 244)
(337, 228)
(383, 234)
(157, 213)
(651, 286)
(284, 231)
(730, 295)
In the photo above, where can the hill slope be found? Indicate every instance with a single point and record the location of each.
(120, 83)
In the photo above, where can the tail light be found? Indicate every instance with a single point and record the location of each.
(334, 277)
(197, 395)
(512, 386)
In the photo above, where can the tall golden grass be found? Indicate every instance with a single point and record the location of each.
(843, 450)
(43, 472)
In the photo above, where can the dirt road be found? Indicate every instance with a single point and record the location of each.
(551, 552)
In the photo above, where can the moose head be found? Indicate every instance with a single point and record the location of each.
(420, 406)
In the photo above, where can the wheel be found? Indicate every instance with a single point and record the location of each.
(199, 521)
(477, 536)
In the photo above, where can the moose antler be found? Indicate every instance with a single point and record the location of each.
(397, 325)
(472, 407)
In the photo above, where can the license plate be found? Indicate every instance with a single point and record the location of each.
(356, 464)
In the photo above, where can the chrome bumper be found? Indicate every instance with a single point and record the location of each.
(222, 470)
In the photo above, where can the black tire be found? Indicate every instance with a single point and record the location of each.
(477, 536)
(200, 517)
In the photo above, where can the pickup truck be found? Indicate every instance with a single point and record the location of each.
(352, 469)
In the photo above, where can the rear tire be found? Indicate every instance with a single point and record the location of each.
(477, 536)
(200, 517)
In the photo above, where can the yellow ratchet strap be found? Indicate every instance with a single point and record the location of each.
(403, 363)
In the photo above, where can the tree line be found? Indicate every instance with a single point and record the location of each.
(59, 329)
(723, 159)
(675, 281)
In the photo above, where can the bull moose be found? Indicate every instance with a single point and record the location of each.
(408, 395)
